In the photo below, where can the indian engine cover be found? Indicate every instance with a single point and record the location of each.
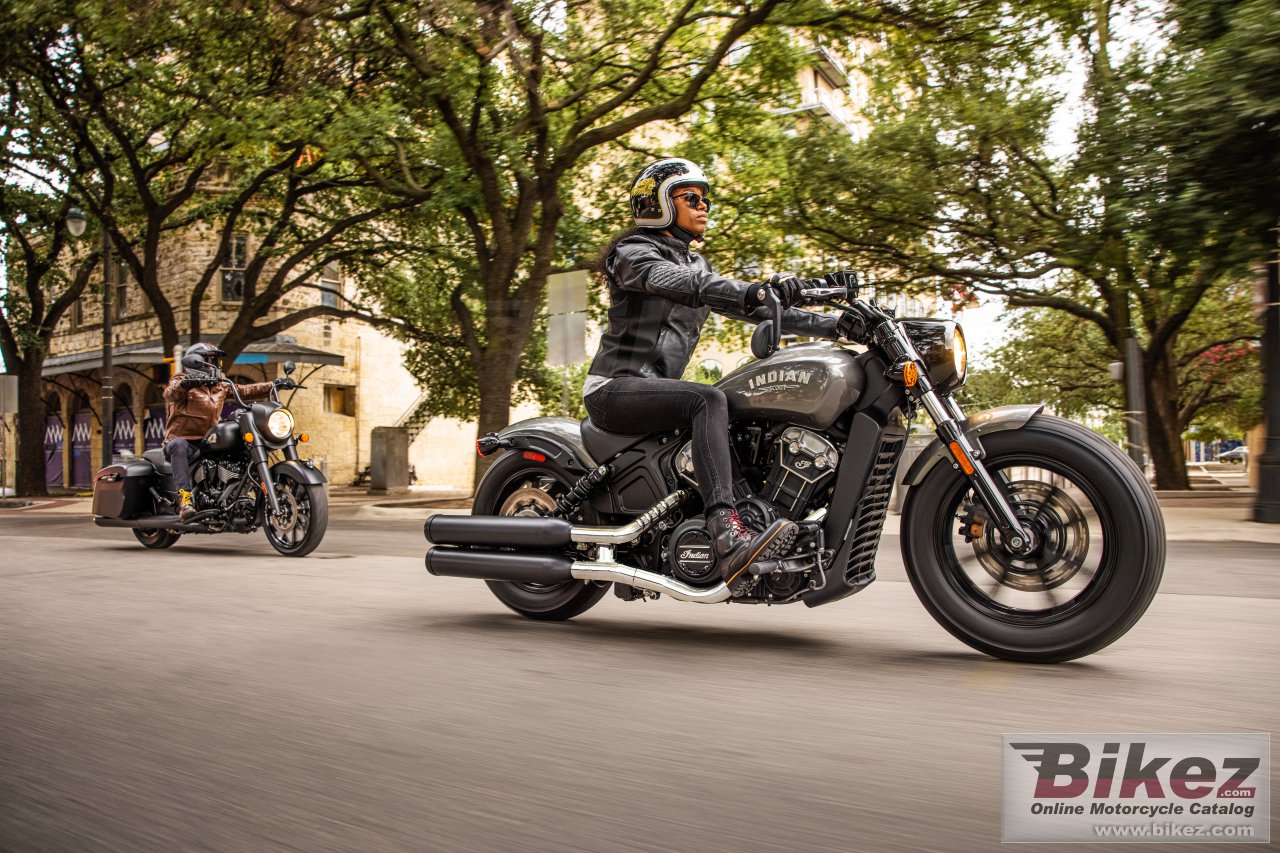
(806, 384)
(692, 558)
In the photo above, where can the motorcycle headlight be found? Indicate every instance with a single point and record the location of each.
(280, 424)
(941, 344)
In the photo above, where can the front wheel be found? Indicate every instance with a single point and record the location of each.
(303, 519)
(1096, 568)
(516, 486)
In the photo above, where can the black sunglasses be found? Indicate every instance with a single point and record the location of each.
(693, 199)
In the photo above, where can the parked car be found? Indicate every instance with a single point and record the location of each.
(1234, 456)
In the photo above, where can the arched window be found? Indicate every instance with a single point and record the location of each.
(709, 371)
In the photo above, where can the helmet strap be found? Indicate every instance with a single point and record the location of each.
(682, 235)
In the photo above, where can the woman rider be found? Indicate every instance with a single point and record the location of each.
(660, 295)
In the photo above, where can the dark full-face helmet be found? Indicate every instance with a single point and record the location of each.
(651, 202)
(203, 361)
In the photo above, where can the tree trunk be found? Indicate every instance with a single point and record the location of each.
(1164, 430)
(497, 379)
(30, 468)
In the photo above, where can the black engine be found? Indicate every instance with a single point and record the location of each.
(797, 464)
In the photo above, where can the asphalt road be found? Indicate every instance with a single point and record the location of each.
(218, 697)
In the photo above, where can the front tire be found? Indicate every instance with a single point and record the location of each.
(156, 539)
(1097, 569)
(304, 520)
(517, 486)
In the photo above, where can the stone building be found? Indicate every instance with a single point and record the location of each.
(354, 375)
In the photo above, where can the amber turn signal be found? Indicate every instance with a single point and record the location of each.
(958, 452)
(304, 437)
(248, 437)
(910, 374)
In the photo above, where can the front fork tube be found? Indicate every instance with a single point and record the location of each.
(947, 416)
(259, 456)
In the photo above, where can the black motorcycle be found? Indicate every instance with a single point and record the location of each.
(1027, 536)
(237, 487)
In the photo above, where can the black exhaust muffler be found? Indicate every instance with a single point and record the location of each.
(499, 565)
(499, 531)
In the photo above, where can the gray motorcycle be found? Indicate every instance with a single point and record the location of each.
(1028, 537)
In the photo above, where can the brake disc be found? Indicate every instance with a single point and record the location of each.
(1062, 527)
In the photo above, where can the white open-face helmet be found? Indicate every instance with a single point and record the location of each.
(651, 203)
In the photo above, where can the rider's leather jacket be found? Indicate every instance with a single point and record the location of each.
(660, 295)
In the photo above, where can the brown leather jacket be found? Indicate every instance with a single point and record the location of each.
(193, 411)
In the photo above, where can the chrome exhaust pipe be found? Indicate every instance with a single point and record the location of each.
(516, 531)
(515, 567)
(607, 569)
(630, 530)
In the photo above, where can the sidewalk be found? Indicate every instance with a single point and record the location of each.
(1212, 516)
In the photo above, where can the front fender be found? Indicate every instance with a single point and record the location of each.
(299, 471)
(999, 419)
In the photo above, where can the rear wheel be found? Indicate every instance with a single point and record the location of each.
(155, 538)
(1096, 567)
(527, 488)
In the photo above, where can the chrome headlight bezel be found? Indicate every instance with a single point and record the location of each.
(280, 424)
(942, 345)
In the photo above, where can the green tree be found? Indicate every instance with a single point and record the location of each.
(959, 186)
(1064, 361)
(515, 113)
(237, 119)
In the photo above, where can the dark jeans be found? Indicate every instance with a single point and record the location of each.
(179, 452)
(633, 405)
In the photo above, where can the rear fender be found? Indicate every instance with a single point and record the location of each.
(999, 419)
(558, 439)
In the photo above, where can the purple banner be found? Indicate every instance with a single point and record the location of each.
(122, 435)
(53, 450)
(81, 449)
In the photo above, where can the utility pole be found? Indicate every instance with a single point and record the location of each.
(1266, 507)
(108, 392)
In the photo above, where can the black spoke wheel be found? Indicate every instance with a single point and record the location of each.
(517, 486)
(1097, 562)
(156, 538)
(303, 519)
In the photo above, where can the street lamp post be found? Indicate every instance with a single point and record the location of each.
(76, 222)
(1129, 372)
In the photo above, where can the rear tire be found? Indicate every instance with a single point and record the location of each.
(1096, 572)
(517, 486)
(156, 539)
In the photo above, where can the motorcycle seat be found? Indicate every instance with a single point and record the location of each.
(156, 458)
(604, 445)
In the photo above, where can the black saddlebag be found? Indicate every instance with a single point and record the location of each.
(122, 491)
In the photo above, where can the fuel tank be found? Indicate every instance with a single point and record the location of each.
(224, 435)
(806, 384)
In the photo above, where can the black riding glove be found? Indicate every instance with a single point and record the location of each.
(787, 288)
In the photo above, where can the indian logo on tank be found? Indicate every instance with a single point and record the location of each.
(781, 377)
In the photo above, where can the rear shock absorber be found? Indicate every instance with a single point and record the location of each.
(568, 503)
